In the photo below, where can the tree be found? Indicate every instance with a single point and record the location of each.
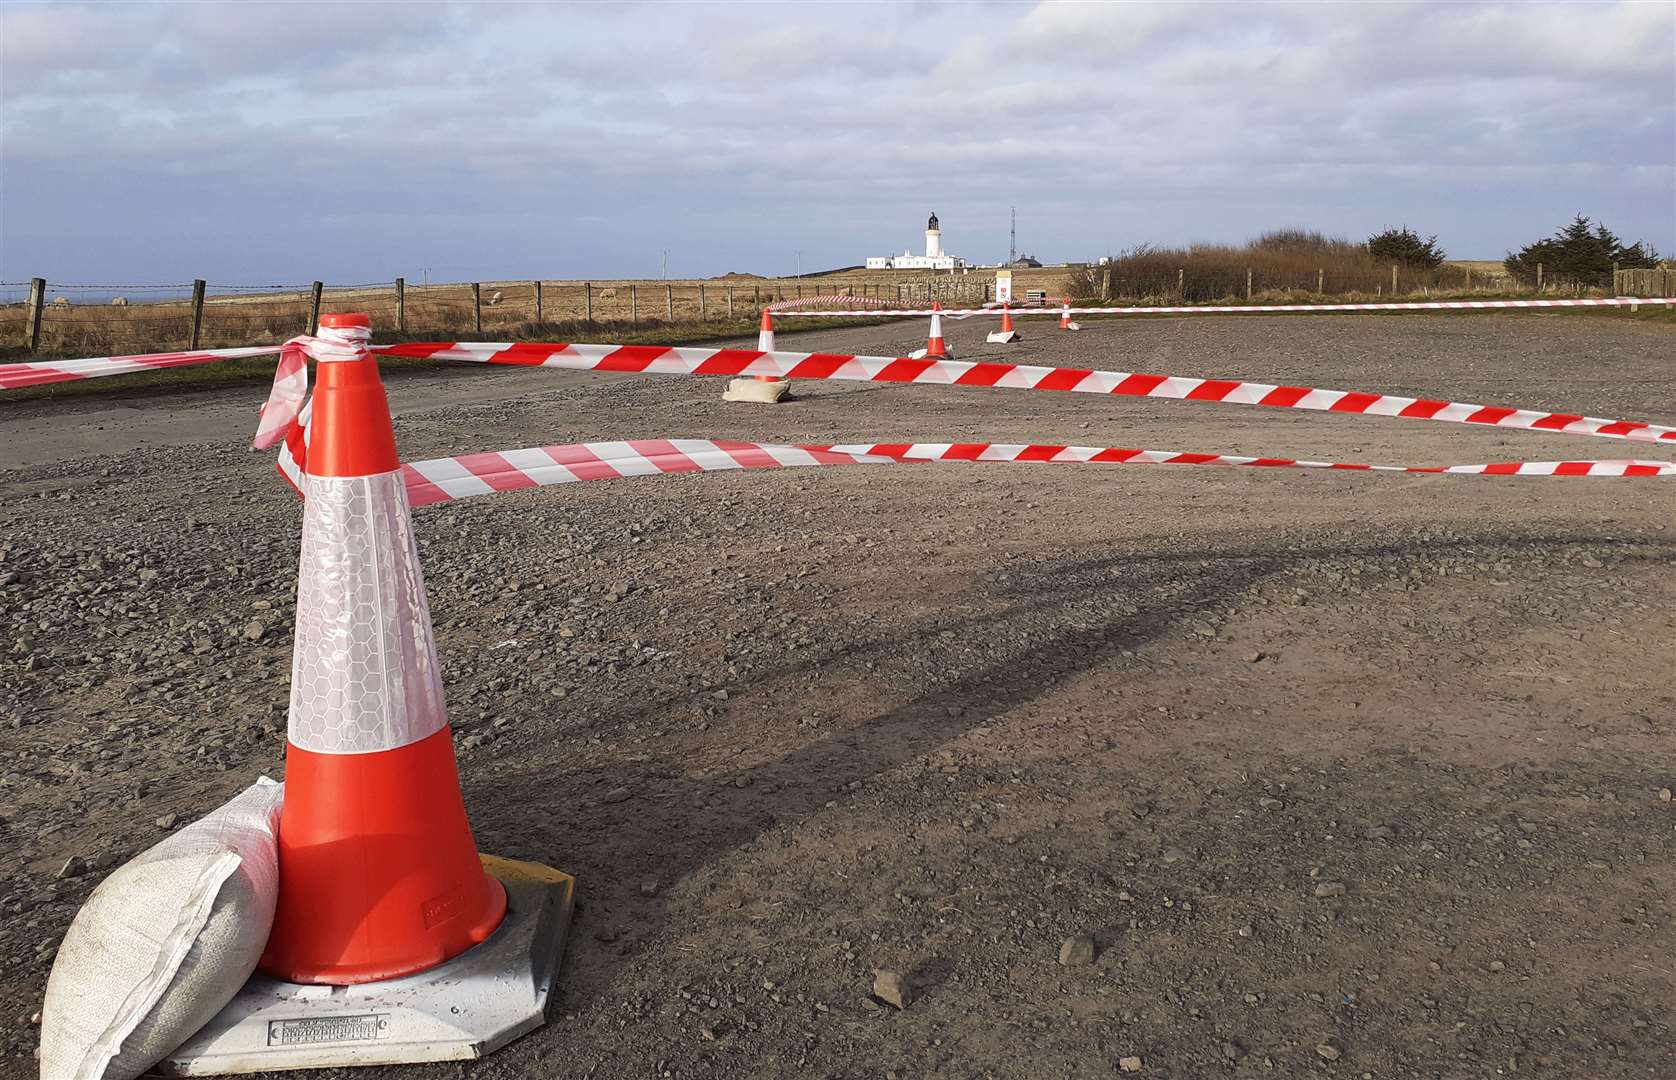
(1580, 253)
(1405, 246)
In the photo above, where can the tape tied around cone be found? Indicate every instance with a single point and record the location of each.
(288, 398)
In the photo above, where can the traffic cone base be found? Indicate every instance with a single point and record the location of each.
(465, 1008)
(935, 347)
(763, 389)
(1006, 335)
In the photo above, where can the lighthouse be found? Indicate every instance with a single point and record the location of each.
(933, 259)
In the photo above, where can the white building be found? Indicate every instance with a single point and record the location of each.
(933, 259)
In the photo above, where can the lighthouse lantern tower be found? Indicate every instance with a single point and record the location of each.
(933, 239)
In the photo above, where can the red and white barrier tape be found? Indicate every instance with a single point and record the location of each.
(867, 305)
(1262, 309)
(666, 360)
(40, 372)
(1090, 455)
(282, 414)
(446, 479)
(874, 304)
(37, 372)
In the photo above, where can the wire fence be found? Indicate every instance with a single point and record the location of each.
(1211, 276)
(111, 319)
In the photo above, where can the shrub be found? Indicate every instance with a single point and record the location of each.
(1405, 246)
(1580, 254)
(1283, 263)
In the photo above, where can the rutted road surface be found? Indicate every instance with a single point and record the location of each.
(1343, 774)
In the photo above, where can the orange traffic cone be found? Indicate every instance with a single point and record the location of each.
(763, 389)
(765, 343)
(1006, 335)
(935, 346)
(1065, 322)
(379, 876)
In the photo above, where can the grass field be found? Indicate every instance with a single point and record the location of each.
(450, 310)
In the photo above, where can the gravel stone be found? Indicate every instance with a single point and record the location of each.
(893, 989)
(1077, 950)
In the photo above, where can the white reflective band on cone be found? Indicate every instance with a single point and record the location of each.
(364, 675)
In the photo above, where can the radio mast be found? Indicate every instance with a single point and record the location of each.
(1012, 240)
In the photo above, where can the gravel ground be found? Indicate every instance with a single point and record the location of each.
(1138, 771)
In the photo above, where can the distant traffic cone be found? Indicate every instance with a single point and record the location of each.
(378, 873)
(1006, 335)
(935, 346)
(1065, 322)
(765, 343)
(766, 389)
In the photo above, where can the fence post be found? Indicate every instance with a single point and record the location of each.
(1393, 279)
(401, 305)
(314, 309)
(800, 290)
(669, 302)
(634, 304)
(730, 301)
(1248, 283)
(538, 312)
(756, 296)
(1321, 281)
(702, 312)
(197, 312)
(1538, 277)
(1106, 284)
(37, 302)
(1614, 277)
(477, 307)
(1469, 280)
(588, 301)
(1181, 283)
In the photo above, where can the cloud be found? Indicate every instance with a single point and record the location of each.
(585, 138)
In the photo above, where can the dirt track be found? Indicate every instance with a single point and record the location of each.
(789, 728)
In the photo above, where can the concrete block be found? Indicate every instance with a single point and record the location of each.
(466, 1008)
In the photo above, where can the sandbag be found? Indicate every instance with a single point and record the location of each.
(163, 943)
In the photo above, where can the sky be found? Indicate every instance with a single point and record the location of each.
(266, 143)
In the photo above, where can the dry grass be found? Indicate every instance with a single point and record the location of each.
(1287, 265)
(449, 311)
(1479, 266)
